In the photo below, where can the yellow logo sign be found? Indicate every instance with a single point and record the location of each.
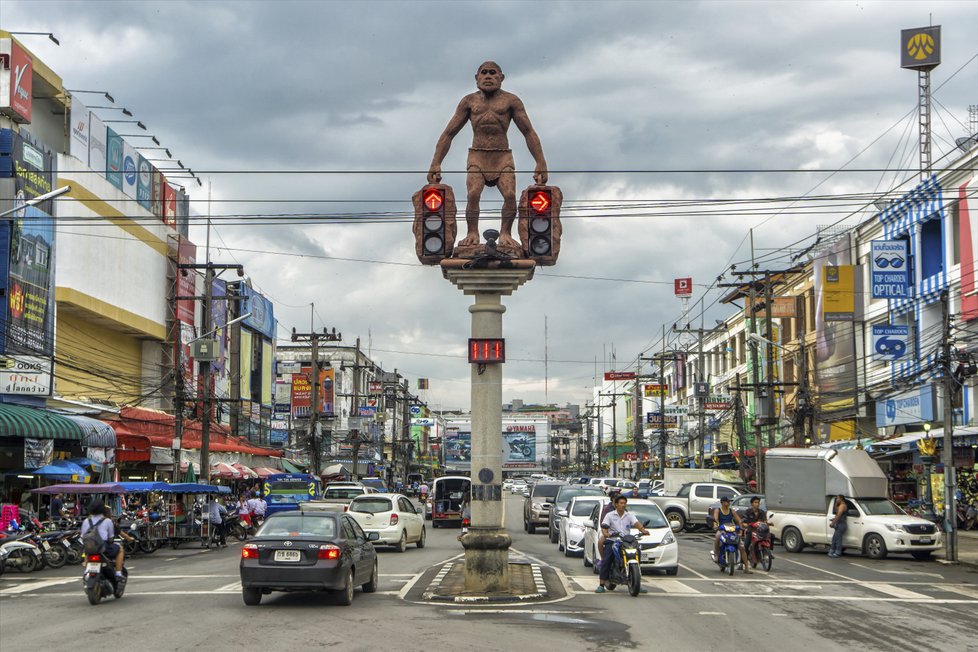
(920, 46)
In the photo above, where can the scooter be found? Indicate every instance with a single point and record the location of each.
(99, 578)
(759, 546)
(21, 554)
(728, 557)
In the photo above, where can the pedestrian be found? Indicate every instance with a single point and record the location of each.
(57, 508)
(839, 525)
(244, 513)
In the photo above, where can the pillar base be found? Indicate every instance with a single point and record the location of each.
(486, 560)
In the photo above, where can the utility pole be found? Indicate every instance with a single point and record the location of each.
(950, 481)
(205, 374)
(315, 452)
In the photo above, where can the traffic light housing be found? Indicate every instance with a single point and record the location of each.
(434, 223)
(539, 224)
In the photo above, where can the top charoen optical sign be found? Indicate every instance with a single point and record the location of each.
(920, 48)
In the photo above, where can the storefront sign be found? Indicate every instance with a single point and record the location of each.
(889, 269)
(656, 419)
(113, 158)
(838, 293)
(262, 317)
(96, 143)
(656, 390)
(78, 143)
(169, 205)
(16, 81)
(918, 405)
(890, 342)
(25, 375)
(144, 182)
(301, 396)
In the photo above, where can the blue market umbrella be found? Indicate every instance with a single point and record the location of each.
(62, 470)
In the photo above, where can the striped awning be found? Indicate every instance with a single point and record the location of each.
(290, 467)
(25, 422)
(98, 434)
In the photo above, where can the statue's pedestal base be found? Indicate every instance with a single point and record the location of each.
(486, 560)
(476, 250)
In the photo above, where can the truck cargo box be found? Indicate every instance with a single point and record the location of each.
(799, 479)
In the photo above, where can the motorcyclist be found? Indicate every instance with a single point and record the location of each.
(98, 518)
(722, 516)
(615, 523)
(750, 518)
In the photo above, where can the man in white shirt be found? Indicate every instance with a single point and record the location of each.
(615, 523)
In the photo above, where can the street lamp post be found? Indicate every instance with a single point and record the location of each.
(928, 449)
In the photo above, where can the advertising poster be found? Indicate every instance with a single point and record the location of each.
(144, 182)
(301, 398)
(458, 449)
(38, 452)
(220, 371)
(890, 342)
(96, 144)
(114, 156)
(327, 399)
(78, 142)
(186, 308)
(262, 317)
(838, 292)
(30, 317)
(17, 82)
(968, 248)
(156, 204)
(889, 271)
(169, 205)
(282, 399)
(835, 341)
(130, 161)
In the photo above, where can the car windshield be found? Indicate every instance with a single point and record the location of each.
(343, 492)
(546, 490)
(371, 505)
(649, 515)
(880, 507)
(298, 525)
(567, 493)
(583, 507)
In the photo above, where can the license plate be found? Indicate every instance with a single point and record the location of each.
(92, 568)
(287, 555)
(648, 557)
(45, 545)
(66, 544)
(924, 540)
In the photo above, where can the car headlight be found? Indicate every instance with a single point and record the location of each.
(575, 526)
(669, 538)
(893, 528)
(536, 505)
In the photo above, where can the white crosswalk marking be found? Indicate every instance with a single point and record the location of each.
(969, 591)
(896, 591)
(33, 586)
(658, 585)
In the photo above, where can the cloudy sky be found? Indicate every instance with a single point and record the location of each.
(649, 113)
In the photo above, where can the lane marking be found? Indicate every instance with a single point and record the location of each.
(712, 613)
(970, 591)
(397, 574)
(233, 587)
(821, 570)
(497, 610)
(895, 572)
(895, 591)
(697, 574)
(673, 586)
(779, 614)
(38, 585)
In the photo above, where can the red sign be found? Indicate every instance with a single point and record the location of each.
(301, 395)
(540, 201)
(619, 375)
(684, 287)
(21, 81)
(169, 205)
(485, 350)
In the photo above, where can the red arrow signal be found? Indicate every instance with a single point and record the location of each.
(433, 199)
(540, 202)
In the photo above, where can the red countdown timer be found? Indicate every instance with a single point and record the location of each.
(483, 351)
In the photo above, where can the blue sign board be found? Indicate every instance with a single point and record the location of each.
(918, 405)
(889, 268)
(890, 342)
(368, 410)
(262, 317)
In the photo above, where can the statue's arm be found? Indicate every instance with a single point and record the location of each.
(532, 141)
(445, 140)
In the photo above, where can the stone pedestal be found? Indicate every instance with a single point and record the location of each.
(487, 543)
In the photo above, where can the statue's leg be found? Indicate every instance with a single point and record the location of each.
(474, 184)
(507, 188)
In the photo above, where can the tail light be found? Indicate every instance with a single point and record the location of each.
(346, 508)
(249, 551)
(328, 551)
(393, 519)
(94, 558)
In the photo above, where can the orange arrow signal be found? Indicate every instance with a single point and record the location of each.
(540, 202)
(433, 199)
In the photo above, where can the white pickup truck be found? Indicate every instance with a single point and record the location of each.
(800, 488)
(876, 526)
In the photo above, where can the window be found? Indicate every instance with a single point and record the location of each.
(295, 525)
(371, 505)
(725, 492)
(931, 249)
(703, 491)
(582, 507)
(358, 532)
(404, 506)
(348, 531)
(952, 217)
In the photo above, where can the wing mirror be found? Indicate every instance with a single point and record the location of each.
(373, 536)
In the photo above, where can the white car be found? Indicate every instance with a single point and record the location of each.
(392, 516)
(570, 527)
(517, 487)
(660, 551)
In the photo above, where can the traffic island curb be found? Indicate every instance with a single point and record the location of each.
(529, 582)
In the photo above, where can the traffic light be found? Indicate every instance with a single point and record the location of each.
(539, 225)
(434, 223)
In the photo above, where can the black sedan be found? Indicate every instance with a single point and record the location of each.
(308, 551)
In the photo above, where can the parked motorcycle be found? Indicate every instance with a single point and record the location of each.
(728, 557)
(99, 578)
(21, 554)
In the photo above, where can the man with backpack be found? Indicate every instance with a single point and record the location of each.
(98, 534)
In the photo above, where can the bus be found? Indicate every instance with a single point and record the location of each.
(284, 491)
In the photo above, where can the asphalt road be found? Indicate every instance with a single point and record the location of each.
(180, 600)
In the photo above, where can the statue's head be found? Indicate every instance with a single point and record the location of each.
(489, 77)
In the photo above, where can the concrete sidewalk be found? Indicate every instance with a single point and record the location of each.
(967, 548)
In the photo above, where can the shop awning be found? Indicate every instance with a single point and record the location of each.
(290, 467)
(20, 421)
(910, 440)
(246, 471)
(226, 471)
(98, 434)
(264, 471)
